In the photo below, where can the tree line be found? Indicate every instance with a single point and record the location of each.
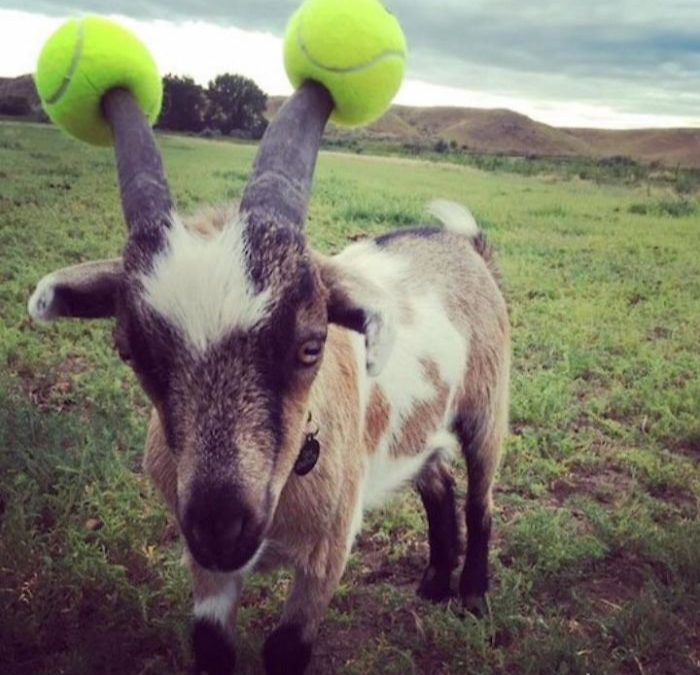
(229, 105)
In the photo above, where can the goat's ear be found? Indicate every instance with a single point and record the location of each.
(86, 291)
(359, 304)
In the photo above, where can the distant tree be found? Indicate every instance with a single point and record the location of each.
(236, 103)
(184, 104)
(441, 146)
(15, 105)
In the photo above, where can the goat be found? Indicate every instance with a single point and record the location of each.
(292, 391)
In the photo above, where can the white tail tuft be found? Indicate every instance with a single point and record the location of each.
(454, 217)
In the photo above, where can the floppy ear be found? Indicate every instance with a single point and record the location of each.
(359, 304)
(86, 291)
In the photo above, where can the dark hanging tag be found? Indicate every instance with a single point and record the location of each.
(308, 456)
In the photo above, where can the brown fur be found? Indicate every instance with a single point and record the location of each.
(425, 415)
(376, 419)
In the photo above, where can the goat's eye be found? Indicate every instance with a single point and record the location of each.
(309, 352)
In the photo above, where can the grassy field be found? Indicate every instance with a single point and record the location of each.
(597, 536)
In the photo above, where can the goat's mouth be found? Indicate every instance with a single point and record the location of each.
(226, 556)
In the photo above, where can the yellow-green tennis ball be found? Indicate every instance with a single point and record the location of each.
(356, 48)
(83, 60)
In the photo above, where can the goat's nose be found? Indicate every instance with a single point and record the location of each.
(219, 529)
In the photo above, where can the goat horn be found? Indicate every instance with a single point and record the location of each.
(279, 185)
(146, 200)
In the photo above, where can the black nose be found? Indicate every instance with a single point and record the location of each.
(220, 530)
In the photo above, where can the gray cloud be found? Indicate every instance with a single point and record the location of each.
(639, 56)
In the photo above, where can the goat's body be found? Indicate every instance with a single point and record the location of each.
(246, 341)
(444, 385)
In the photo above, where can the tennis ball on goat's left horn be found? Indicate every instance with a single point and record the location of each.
(83, 60)
(355, 48)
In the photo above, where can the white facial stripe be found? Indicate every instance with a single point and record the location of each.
(218, 607)
(200, 284)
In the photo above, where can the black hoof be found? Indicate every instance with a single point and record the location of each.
(285, 653)
(214, 653)
(472, 590)
(435, 585)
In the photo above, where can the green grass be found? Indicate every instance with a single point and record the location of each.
(596, 557)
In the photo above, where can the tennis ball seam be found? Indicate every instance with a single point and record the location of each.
(387, 53)
(73, 66)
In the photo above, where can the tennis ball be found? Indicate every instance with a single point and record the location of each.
(83, 60)
(355, 48)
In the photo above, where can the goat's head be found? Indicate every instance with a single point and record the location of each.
(225, 332)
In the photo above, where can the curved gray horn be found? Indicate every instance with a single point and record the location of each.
(279, 184)
(146, 200)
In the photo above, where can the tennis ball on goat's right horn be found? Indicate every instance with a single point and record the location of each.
(81, 62)
(355, 48)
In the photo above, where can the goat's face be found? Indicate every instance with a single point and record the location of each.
(226, 334)
(225, 331)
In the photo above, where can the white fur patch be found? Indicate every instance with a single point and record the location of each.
(454, 217)
(445, 442)
(386, 474)
(429, 337)
(200, 284)
(218, 607)
(252, 563)
(384, 272)
(39, 305)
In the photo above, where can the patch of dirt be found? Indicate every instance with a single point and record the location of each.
(53, 390)
(619, 580)
(377, 567)
(606, 486)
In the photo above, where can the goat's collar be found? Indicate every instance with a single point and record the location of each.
(310, 450)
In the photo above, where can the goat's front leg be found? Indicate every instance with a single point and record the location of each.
(287, 649)
(216, 598)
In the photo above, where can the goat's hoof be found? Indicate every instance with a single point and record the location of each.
(214, 653)
(474, 605)
(435, 585)
(285, 652)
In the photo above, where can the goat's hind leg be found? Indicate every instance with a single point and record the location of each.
(436, 488)
(481, 437)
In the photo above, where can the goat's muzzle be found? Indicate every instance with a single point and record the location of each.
(222, 532)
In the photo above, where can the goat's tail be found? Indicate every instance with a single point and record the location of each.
(459, 219)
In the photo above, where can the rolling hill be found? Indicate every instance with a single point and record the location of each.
(510, 133)
(489, 131)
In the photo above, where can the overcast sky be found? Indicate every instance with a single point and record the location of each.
(603, 63)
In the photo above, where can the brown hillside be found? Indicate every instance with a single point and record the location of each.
(669, 146)
(501, 131)
(507, 132)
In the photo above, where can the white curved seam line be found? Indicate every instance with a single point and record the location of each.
(67, 78)
(348, 69)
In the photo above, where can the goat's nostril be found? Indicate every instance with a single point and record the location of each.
(231, 528)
